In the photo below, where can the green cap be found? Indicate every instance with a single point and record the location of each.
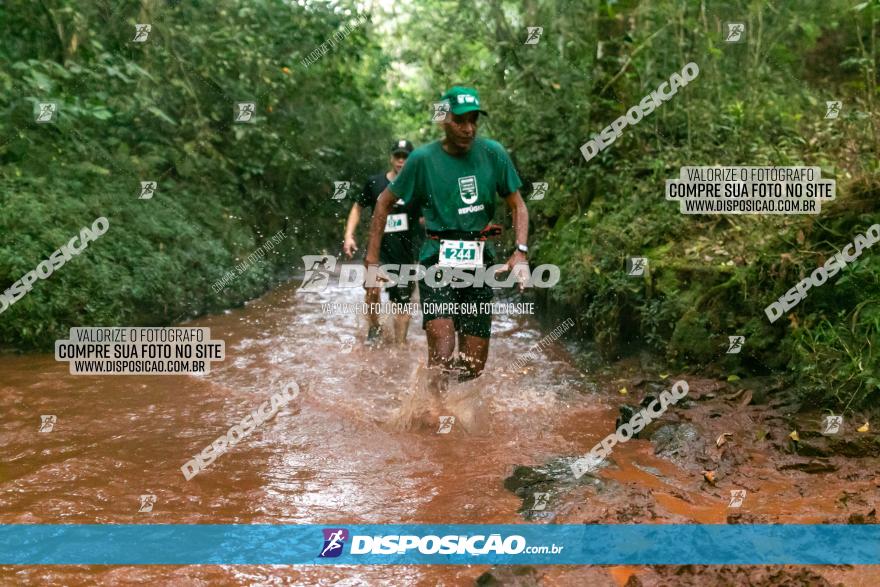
(462, 100)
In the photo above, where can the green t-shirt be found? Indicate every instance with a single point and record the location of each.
(456, 193)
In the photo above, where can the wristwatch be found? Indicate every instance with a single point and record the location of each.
(522, 249)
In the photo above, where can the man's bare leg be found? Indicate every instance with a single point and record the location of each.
(441, 350)
(473, 352)
(401, 321)
(372, 297)
(401, 326)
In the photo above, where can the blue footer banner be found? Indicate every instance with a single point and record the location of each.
(440, 544)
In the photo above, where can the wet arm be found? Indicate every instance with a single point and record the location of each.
(520, 217)
(377, 226)
(354, 217)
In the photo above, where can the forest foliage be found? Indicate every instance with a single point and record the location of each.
(162, 110)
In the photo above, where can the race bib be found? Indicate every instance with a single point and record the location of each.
(461, 253)
(396, 223)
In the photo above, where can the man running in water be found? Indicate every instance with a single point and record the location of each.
(455, 181)
(401, 229)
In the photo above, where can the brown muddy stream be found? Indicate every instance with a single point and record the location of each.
(347, 451)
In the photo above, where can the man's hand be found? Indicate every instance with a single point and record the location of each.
(520, 267)
(349, 247)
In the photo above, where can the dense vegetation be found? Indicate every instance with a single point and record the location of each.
(162, 110)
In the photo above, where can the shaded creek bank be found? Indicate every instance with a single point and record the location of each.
(355, 447)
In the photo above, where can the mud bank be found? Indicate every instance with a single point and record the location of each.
(743, 452)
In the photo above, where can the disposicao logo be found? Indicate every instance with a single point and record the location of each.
(432, 544)
(472, 545)
(334, 540)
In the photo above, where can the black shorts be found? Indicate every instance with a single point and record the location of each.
(397, 249)
(401, 294)
(469, 307)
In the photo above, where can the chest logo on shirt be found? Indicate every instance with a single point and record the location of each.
(467, 189)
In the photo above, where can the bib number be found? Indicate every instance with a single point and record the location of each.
(461, 253)
(396, 223)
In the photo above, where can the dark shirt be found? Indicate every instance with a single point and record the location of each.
(397, 247)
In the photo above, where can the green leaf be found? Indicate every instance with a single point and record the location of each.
(41, 81)
(162, 115)
(90, 167)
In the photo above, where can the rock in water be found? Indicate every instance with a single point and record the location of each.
(625, 414)
(512, 576)
(678, 440)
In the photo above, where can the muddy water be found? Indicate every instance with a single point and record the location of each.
(351, 449)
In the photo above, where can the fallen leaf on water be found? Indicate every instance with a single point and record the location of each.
(794, 436)
(623, 390)
(722, 439)
(864, 428)
(709, 476)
